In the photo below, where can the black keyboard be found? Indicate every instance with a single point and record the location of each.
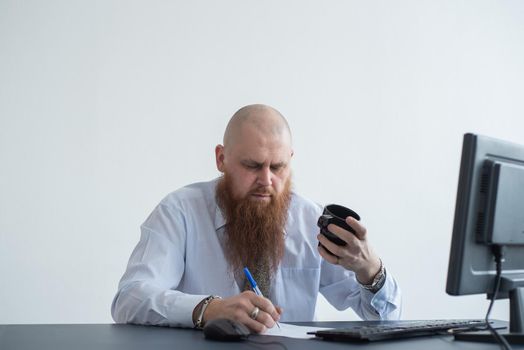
(383, 330)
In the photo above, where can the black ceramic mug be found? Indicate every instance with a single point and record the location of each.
(335, 214)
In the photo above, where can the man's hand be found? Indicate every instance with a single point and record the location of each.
(356, 256)
(241, 306)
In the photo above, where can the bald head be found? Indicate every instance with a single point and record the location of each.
(265, 119)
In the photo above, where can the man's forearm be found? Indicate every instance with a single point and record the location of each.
(143, 303)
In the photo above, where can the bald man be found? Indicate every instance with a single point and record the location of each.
(187, 268)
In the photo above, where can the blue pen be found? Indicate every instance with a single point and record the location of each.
(254, 285)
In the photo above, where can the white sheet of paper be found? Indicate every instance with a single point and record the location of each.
(292, 331)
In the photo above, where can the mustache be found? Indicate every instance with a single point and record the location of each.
(263, 191)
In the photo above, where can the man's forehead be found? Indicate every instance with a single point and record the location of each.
(263, 154)
(253, 142)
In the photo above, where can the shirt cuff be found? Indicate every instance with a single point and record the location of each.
(384, 301)
(180, 312)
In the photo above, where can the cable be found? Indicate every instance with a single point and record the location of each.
(267, 343)
(498, 252)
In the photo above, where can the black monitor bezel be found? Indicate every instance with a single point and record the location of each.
(471, 268)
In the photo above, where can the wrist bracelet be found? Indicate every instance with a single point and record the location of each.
(378, 280)
(200, 319)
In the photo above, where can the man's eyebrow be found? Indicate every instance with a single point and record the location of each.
(254, 162)
(251, 162)
(279, 164)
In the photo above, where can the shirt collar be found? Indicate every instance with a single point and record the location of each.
(219, 218)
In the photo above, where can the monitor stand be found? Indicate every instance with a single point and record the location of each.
(516, 322)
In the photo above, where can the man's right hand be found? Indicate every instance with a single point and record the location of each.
(241, 306)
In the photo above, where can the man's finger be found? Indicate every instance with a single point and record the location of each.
(360, 230)
(343, 234)
(264, 304)
(279, 310)
(335, 249)
(266, 319)
(327, 256)
(254, 325)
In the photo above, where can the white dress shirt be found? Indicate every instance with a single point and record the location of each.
(179, 261)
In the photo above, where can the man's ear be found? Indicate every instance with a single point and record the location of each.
(219, 156)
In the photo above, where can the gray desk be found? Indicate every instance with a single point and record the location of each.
(129, 337)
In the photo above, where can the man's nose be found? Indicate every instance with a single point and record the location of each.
(264, 177)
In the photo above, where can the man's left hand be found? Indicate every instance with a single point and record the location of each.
(356, 256)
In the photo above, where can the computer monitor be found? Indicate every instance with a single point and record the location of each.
(489, 212)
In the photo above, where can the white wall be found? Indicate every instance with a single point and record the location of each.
(106, 106)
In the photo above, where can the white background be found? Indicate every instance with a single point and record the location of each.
(107, 106)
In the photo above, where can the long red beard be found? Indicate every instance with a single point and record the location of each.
(254, 230)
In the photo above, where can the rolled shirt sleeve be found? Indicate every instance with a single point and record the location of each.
(342, 290)
(146, 293)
